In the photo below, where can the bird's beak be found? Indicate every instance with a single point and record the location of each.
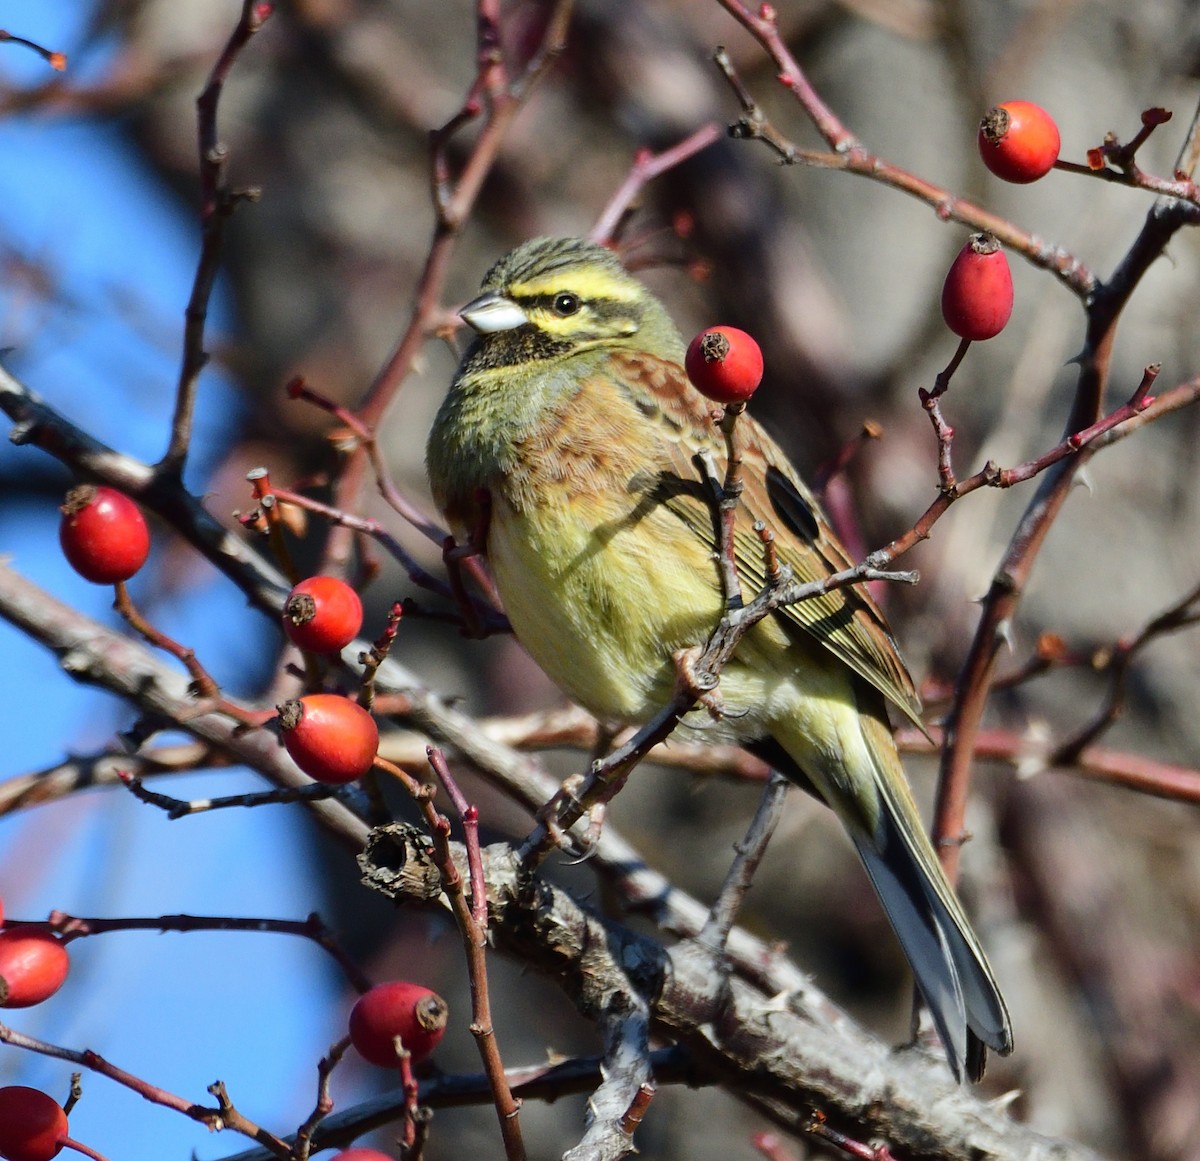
(493, 312)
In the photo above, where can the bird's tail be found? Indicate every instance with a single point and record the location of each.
(950, 967)
(947, 960)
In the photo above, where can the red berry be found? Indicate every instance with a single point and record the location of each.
(360, 1153)
(33, 1125)
(725, 364)
(103, 534)
(330, 737)
(1018, 141)
(322, 614)
(977, 296)
(33, 965)
(410, 1011)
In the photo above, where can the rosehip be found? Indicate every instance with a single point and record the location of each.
(33, 965)
(725, 364)
(322, 614)
(330, 737)
(1018, 141)
(103, 534)
(410, 1011)
(33, 1125)
(977, 296)
(360, 1153)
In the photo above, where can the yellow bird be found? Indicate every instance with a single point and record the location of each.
(572, 412)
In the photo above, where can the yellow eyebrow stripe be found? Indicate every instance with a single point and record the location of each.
(588, 284)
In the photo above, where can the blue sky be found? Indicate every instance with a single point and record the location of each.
(74, 199)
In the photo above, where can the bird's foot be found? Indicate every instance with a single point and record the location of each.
(581, 846)
(586, 844)
(702, 687)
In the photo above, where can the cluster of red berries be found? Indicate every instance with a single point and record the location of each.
(330, 737)
(391, 1019)
(1018, 142)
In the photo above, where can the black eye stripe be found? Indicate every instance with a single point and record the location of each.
(599, 309)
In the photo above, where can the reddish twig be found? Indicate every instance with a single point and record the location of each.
(469, 817)
(203, 684)
(374, 657)
(493, 621)
(1133, 771)
(646, 167)
(396, 500)
(944, 433)
(1115, 162)
(474, 939)
(990, 475)
(225, 1116)
(260, 481)
(500, 99)
(853, 158)
(819, 1127)
(637, 1109)
(764, 27)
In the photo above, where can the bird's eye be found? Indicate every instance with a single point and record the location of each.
(566, 304)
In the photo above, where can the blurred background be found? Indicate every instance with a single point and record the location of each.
(1087, 896)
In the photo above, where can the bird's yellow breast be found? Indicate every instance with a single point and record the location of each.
(601, 598)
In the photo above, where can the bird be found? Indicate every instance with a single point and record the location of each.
(566, 448)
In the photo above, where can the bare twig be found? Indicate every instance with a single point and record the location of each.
(56, 60)
(1184, 613)
(313, 928)
(176, 808)
(302, 1143)
(750, 851)
(217, 202)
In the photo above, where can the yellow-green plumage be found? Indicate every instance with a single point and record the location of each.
(572, 412)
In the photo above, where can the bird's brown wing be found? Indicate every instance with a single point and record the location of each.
(846, 621)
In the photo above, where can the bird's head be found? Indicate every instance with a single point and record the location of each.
(555, 297)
